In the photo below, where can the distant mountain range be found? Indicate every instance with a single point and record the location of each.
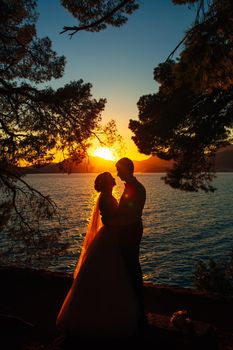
(96, 165)
(223, 163)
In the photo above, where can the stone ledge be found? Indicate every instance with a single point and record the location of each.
(35, 296)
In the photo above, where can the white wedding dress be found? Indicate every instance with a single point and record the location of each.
(100, 302)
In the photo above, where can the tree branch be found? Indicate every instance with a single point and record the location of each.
(76, 29)
(176, 48)
(197, 24)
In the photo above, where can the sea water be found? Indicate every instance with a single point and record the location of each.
(180, 228)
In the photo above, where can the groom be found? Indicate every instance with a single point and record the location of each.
(131, 206)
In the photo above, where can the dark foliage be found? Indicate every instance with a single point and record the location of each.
(191, 116)
(35, 124)
(214, 277)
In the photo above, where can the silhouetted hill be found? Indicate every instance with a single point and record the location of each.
(96, 165)
(152, 165)
(224, 159)
(223, 163)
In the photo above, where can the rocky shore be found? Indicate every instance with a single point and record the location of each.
(30, 300)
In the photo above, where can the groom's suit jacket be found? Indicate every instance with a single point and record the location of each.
(130, 209)
(132, 201)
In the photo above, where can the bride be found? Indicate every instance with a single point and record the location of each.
(100, 302)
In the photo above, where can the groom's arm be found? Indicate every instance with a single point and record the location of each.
(121, 221)
(131, 211)
(125, 218)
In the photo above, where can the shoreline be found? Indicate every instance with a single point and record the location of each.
(35, 296)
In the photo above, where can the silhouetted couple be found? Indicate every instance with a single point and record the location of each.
(105, 300)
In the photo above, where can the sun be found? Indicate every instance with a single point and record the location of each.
(104, 152)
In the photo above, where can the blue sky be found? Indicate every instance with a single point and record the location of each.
(118, 62)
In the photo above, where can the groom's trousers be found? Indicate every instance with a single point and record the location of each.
(129, 238)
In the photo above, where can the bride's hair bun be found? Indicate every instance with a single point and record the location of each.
(101, 181)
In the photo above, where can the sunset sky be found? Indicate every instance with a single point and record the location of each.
(118, 62)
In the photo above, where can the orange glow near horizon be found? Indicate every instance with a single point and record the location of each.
(105, 153)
